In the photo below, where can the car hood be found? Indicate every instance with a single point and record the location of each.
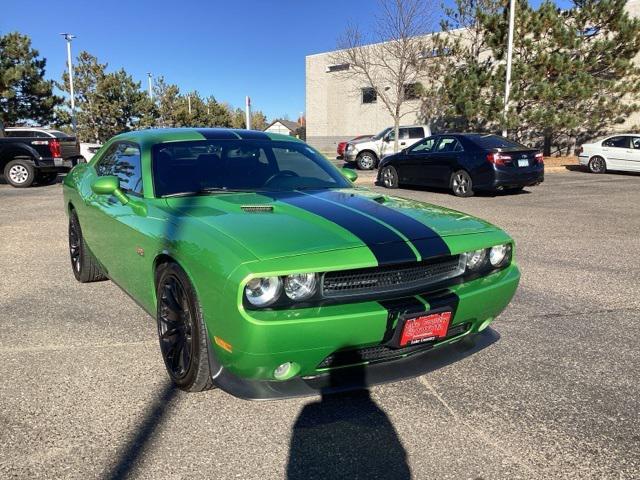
(272, 225)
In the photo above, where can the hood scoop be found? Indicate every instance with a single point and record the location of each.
(257, 208)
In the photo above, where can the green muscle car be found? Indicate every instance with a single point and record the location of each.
(269, 273)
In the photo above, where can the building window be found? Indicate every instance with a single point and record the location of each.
(337, 68)
(412, 91)
(369, 95)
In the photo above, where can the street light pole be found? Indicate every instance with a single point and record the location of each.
(149, 76)
(507, 83)
(247, 112)
(68, 37)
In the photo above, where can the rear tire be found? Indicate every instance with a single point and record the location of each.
(366, 161)
(389, 176)
(461, 184)
(19, 172)
(181, 330)
(84, 265)
(597, 165)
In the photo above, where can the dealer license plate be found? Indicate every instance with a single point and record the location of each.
(523, 163)
(425, 328)
(58, 162)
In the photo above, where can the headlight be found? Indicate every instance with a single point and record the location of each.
(262, 292)
(300, 286)
(499, 255)
(349, 147)
(476, 259)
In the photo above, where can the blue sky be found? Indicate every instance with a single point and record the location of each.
(228, 49)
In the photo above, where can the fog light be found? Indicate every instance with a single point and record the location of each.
(282, 371)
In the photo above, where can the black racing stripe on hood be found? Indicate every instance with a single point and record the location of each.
(385, 244)
(425, 240)
(217, 134)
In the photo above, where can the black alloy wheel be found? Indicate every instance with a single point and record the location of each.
(175, 327)
(181, 330)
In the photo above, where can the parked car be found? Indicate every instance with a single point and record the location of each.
(367, 153)
(88, 150)
(343, 145)
(268, 274)
(617, 152)
(464, 163)
(30, 155)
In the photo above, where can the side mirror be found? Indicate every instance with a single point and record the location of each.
(349, 174)
(109, 185)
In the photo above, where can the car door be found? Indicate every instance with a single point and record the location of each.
(633, 159)
(414, 164)
(443, 160)
(115, 235)
(617, 150)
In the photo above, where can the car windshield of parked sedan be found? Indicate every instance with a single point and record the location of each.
(489, 142)
(212, 166)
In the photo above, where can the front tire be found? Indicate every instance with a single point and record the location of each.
(597, 165)
(20, 173)
(366, 161)
(461, 184)
(389, 177)
(84, 265)
(181, 330)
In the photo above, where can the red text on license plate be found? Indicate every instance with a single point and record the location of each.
(423, 329)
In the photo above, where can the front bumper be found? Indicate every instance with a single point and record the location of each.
(350, 156)
(307, 337)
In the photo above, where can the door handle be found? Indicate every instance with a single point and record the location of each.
(403, 143)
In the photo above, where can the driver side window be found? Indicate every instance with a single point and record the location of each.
(425, 146)
(123, 161)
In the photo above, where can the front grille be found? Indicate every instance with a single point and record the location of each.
(393, 278)
(380, 353)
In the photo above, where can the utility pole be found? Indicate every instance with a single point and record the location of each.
(149, 77)
(68, 37)
(507, 83)
(247, 110)
(189, 100)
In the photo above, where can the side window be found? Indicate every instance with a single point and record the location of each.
(18, 133)
(41, 135)
(123, 161)
(425, 146)
(448, 144)
(416, 132)
(635, 142)
(617, 142)
(369, 95)
(403, 133)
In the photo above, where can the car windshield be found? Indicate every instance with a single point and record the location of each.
(490, 142)
(381, 134)
(198, 167)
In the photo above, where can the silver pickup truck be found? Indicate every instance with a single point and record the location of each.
(368, 152)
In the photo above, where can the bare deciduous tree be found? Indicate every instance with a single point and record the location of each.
(392, 59)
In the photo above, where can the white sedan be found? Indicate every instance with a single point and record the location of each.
(618, 152)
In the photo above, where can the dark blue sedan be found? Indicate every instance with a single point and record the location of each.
(464, 163)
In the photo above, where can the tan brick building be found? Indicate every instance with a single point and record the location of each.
(337, 107)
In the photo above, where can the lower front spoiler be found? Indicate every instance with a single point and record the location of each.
(355, 377)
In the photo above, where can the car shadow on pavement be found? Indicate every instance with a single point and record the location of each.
(152, 418)
(348, 435)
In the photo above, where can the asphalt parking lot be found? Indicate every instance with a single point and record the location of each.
(551, 391)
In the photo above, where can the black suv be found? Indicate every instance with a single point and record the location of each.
(30, 154)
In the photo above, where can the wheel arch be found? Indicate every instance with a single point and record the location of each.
(11, 152)
(368, 150)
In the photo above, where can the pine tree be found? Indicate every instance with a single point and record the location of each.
(24, 93)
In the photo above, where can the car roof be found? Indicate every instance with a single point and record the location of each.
(160, 135)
